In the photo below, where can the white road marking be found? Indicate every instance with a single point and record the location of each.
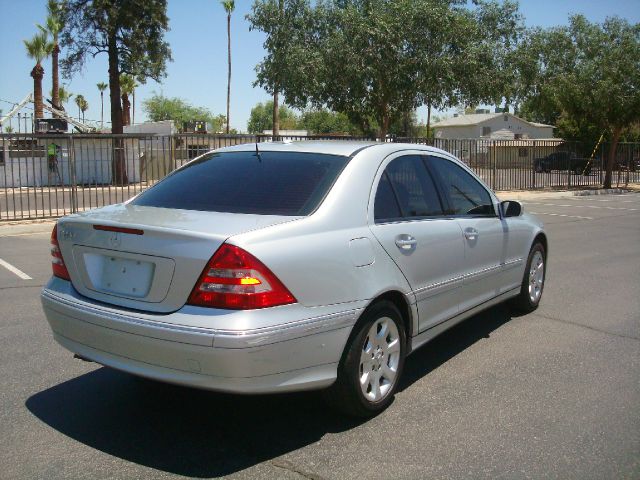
(562, 215)
(603, 207)
(589, 198)
(15, 270)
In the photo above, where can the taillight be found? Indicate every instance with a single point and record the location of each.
(235, 279)
(57, 262)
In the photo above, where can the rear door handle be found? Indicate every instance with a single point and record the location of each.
(471, 233)
(406, 242)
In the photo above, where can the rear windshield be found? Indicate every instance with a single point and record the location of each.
(273, 183)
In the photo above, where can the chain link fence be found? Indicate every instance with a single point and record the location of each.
(45, 176)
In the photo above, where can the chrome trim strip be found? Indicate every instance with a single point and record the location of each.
(288, 331)
(118, 317)
(512, 263)
(226, 338)
(503, 266)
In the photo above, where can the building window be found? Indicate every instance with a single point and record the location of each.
(486, 131)
(523, 152)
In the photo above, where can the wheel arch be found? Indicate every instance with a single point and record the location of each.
(542, 238)
(399, 300)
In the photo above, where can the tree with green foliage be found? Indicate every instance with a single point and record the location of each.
(588, 77)
(290, 31)
(83, 105)
(38, 48)
(261, 118)
(323, 121)
(131, 33)
(53, 26)
(159, 108)
(64, 96)
(376, 61)
(229, 7)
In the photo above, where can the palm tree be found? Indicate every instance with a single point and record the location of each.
(80, 102)
(102, 87)
(38, 48)
(84, 106)
(229, 6)
(127, 86)
(53, 27)
(64, 96)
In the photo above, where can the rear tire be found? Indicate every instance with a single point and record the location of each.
(372, 363)
(533, 280)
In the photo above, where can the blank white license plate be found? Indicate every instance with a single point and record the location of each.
(123, 276)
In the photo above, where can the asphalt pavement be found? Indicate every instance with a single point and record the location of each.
(552, 394)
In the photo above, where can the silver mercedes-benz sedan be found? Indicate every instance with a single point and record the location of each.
(277, 267)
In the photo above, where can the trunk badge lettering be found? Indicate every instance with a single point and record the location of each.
(114, 240)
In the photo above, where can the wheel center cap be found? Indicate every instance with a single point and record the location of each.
(379, 353)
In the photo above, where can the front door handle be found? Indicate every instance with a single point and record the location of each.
(406, 242)
(470, 233)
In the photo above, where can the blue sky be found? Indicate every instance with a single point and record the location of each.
(198, 41)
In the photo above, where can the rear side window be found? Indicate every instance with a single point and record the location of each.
(465, 195)
(273, 183)
(386, 206)
(406, 189)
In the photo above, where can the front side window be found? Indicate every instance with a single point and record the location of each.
(271, 183)
(464, 194)
(407, 182)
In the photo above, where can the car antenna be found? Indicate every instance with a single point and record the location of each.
(258, 153)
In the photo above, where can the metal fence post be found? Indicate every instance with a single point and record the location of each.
(495, 168)
(72, 175)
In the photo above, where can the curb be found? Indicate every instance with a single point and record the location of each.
(24, 228)
(528, 194)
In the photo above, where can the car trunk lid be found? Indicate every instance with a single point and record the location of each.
(146, 258)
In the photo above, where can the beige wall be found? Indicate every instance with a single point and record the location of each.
(512, 124)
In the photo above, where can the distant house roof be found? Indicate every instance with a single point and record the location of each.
(478, 118)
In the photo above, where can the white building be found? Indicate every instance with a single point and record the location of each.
(498, 126)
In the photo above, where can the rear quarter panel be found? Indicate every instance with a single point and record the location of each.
(314, 256)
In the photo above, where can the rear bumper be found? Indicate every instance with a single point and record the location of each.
(297, 355)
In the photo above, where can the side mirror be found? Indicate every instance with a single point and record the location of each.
(511, 208)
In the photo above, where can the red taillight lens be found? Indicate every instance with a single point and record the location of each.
(235, 279)
(57, 262)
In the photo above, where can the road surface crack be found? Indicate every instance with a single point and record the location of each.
(286, 465)
(620, 335)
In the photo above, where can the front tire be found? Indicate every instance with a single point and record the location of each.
(372, 363)
(533, 280)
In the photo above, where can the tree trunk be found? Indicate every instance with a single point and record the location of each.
(384, 121)
(119, 167)
(229, 70)
(276, 114)
(384, 128)
(428, 119)
(37, 73)
(126, 110)
(611, 160)
(133, 107)
(55, 95)
(101, 110)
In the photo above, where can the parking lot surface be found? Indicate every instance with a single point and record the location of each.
(553, 394)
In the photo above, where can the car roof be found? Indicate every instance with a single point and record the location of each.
(331, 147)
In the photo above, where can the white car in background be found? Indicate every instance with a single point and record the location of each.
(290, 266)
